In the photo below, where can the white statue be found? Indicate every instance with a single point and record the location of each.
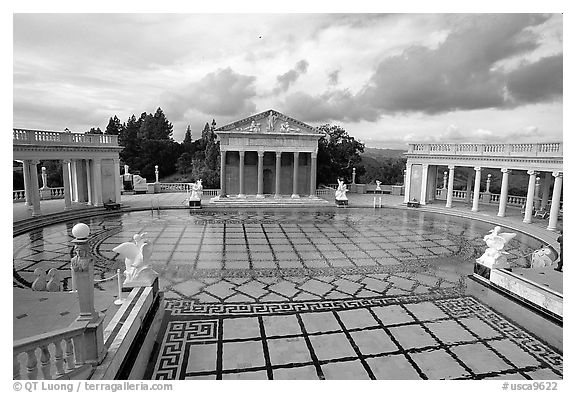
(378, 182)
(285, 127)
(197, 191)
(253, 127)
(543, 257)
(137, 260)
(341, 191)
(494, 256)
(271, 121)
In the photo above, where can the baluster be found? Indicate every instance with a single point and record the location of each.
(79, 350)
(15, 367)
(45, 361)
(69, 356)
(31, 364)
(59, 358)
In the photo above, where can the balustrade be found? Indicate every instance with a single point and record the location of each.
(325, 191)
(55, 362)
(488, 149)
(56, 192)
(39, 137)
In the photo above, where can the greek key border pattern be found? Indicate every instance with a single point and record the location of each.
(189, 307)
(469, 307)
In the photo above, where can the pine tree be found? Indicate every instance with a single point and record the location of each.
(188, 136)
(114, 126)
(95, 131)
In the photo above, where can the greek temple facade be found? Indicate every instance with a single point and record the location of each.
(536, 160)
(268, 154)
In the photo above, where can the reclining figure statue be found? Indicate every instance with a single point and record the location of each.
(137, 260)
(495, 256)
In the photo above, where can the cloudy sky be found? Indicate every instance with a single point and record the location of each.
(388, 79)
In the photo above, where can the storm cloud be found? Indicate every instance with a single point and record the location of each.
(462, 73)
(288, 78)
(220, 93)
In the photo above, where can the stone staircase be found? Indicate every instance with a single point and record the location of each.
(252, 201)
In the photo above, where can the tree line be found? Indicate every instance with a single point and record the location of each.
(147, 141)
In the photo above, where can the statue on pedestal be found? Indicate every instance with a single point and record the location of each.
(137, 260)
(340, 194)
(195, 199)
(378, 182)
(495, 256)
(271, 121)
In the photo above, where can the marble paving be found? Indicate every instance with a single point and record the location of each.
(312, 294)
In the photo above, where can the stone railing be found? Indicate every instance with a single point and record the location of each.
(554, 149)
(18, 195)
(185, 187)
(175, 187)
(56, 192)
(39, 137)
(325, 191)
(61, 354)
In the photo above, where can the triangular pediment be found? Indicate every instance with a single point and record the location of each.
(269, 122)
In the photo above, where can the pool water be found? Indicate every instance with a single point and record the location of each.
(312, 294)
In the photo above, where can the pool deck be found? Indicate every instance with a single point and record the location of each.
(486, 213)
(413, 335)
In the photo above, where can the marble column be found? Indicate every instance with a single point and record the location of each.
(89, 182)
(555, 206)
(477, 180)
(34, 190)
(295, 176)
(97, 172)
(407, 180)
(241, 193)
(469, 186)
(277, 193)
(117, 180)
(450, 192)
(503, 193)
(546, 189)
(313, 157)
(67, 188)
(537, 194)
(27, 182)
(260, 193)
(424, 189)
(223, 173)
(530, 197)
(74, 180)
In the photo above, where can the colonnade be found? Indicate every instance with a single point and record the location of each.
(260, 173)
(531, 202)
(82, 180)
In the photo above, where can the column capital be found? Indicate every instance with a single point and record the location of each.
(278, 154)
(260, 153)
(477, 168)
(558, 174)
(505, 170)
(241, 152)
(66, 161)
(314, 155)
(34, 162)
(451, 167)
(531, 172)
(296, 153)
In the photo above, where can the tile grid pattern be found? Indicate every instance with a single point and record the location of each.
(377, 342)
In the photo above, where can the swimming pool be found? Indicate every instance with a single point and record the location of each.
(270, 255)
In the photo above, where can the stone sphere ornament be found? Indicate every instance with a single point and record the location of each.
(81, 231)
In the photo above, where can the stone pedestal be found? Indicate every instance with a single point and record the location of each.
(45, 193)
